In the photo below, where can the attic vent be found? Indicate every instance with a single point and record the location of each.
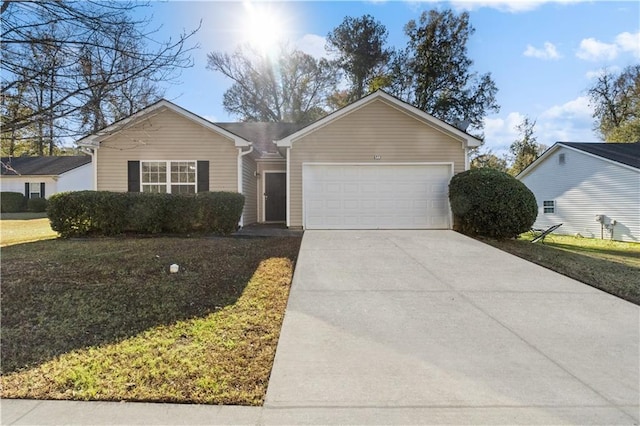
(561, 159)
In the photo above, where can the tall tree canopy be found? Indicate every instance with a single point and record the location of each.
(615, 99)
(434, 71)
(359, 44)
(292, 87)
(71, 67)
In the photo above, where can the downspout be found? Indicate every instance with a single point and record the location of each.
(288, 183)
(93, 152)
(467, 163)
(241, 154)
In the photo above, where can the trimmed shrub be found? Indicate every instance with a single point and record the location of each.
(37, 205)
(220, 212)
(491, 203)
(11, 202)
(110, 213)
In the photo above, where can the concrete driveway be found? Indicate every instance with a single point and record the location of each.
(430, 327)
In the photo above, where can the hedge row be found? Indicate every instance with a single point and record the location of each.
(110, 213)
(14, 202)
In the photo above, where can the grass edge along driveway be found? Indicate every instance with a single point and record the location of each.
(223, 357)
(611, 266)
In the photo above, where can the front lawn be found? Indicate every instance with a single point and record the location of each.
(611, 266)
(104, 319)
(16, 228)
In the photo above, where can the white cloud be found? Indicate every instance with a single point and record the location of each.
(548, 51)
(629, 43)
(511, 6)
(594, 50)
(599, 72)
(313, 45)
(569, 122)
(577, 108)
(499, 133)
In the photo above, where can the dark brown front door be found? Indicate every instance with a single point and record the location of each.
(275, 197)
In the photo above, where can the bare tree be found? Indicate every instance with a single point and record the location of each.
(73, 55)
(293, 87)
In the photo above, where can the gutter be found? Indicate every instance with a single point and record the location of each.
(241, 154)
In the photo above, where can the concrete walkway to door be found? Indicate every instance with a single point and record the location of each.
(431, 327)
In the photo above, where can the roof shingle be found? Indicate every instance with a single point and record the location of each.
(624, 153)
(42, 165)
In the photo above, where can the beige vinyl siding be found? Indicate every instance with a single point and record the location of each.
(267, 166)
(167, 136)
(376, 129)
(249, 190)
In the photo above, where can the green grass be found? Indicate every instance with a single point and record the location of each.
(105, 320)
(611, 266)
(17, 228)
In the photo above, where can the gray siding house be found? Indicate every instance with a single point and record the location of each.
(593, 189)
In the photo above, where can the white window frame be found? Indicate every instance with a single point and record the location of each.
(32, 192)
(169, 183)
(548, 206)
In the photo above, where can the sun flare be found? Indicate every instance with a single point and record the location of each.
(263, 28)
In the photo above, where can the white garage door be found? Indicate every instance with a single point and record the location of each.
(398, 196)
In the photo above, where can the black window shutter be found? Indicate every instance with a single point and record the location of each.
(41, 189)
(133, 176)
(26, 190)
(203, 176)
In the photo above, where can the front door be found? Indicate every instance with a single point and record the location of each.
(275, 197)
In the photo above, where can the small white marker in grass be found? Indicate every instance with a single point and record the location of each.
(174, 268)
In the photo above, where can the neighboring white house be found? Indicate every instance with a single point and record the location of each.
(38, 177)
(593, 189)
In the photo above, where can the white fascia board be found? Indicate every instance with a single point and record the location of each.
(94, 139)
(537, 161)
(555, 147)
(468, 140)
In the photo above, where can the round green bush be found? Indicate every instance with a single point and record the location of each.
(37, 205)
(491, 203)
(11, 202)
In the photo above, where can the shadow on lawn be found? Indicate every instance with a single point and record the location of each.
(614, 277)
(595, 250)
(62, 295)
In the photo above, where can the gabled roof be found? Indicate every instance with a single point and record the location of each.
(262, 135)
(49, 166)
(624, 154)
(467, 139)
(94, 139)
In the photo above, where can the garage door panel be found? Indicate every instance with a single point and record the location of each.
(376, 197)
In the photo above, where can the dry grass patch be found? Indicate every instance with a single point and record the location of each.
(20, 228)
(205, 335)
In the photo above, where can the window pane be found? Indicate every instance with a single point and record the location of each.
(183, 189)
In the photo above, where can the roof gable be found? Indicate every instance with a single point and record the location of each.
(94, 139)
(623, 154)
(42, 166)
(392, 101)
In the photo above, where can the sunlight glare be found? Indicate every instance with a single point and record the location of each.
(263, 28)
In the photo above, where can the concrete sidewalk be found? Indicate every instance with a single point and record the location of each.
(421, 327)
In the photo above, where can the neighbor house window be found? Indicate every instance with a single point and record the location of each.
(549, 206)
(34, 190)
(561, 159)
(175, 177)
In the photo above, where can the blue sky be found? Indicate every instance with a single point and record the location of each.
(543, 55)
